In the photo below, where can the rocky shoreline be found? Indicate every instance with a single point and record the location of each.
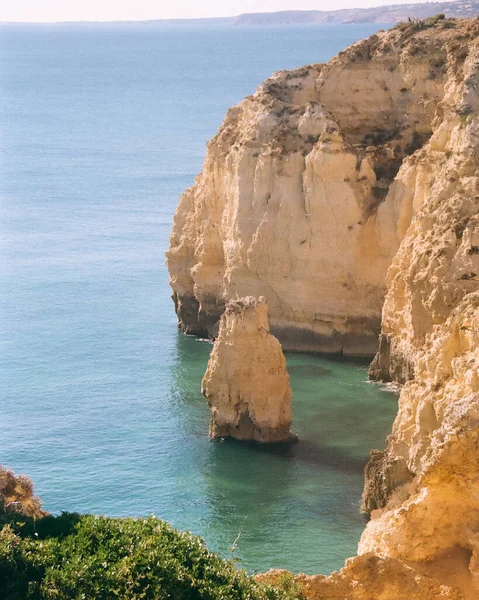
(348, 195)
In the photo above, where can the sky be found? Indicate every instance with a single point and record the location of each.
(137, 10)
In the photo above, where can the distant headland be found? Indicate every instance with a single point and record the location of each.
(378, 14)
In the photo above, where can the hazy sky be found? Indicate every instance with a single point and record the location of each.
(113, 10)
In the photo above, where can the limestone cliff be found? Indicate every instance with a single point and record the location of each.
(438, 262)
(423, 490)
(246, 383)
(387, 133)
(423, 544)
(433, 275)
(310, 185)
(430, 343)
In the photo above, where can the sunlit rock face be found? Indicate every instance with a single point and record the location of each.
(308, 189)
(433, 281)
(246, 383)
(369, 577)
(337, 189)
(434, 515)
(429, 514)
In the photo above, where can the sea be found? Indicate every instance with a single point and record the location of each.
(101, 129)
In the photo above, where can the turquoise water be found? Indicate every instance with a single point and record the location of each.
(101, 128)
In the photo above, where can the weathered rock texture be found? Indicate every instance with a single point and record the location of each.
(369, 577)
(423, 490)
(246, 383)
(426, 334)
(311, 188)
(310, 185)
(423, 544)
(436, 438)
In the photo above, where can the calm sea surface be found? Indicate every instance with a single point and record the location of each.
(101, 128)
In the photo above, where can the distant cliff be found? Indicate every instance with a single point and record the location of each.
(378, 14)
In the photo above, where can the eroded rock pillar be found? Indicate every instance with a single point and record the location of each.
(246, 383)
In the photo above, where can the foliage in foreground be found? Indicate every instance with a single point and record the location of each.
(84, 557)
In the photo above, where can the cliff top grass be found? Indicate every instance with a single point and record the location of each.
(85, 557)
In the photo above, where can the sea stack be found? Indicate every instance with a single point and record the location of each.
(246, 383)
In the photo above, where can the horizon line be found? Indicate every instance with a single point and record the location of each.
(217, 18)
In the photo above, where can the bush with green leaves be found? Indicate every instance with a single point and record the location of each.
(85, 557)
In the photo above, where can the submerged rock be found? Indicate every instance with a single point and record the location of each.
(246, 383)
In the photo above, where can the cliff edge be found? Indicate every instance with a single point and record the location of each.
(310, 185)
(339, 190)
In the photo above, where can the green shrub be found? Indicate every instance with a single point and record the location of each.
(83, 557)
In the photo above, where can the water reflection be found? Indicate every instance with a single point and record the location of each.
(280, 498)
(187, 373)
(308, 371)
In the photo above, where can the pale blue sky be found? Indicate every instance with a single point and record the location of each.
(112, 10)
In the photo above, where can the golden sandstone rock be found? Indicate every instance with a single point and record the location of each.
(327, 188)
(311, 183)
(246, 383)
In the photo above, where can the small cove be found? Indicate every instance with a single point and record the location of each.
(102, 129)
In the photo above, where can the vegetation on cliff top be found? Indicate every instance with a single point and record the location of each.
(87, 557)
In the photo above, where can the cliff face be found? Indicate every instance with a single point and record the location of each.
(309, 187)
(430, 342)
(438, 262)
(436, 437)
(434, 272)
(312, 188)
(423, 544)
(246, 383)
(423, 490)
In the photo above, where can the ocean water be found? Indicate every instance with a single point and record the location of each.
(101, 128)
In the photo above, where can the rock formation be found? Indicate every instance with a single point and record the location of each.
(369, 577)
(309, 187)
(431, 284)
(246, 383)
(312, 188)
(430, 343)
(423, 544)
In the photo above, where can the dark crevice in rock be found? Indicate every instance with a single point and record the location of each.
(195, 321)
(382, 475)
(389, 364)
